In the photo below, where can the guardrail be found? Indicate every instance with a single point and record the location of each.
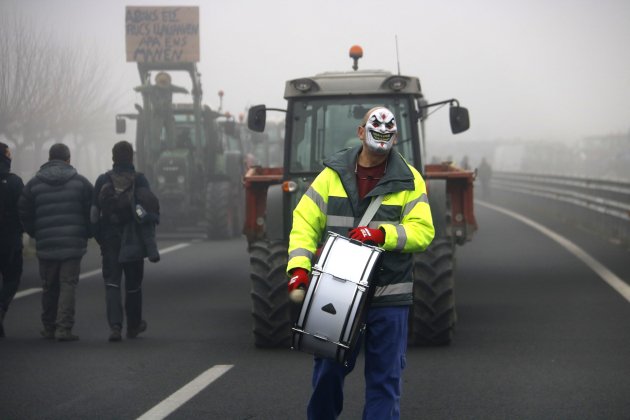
(602, 205)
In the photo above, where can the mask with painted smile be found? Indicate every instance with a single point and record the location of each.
(380, 131)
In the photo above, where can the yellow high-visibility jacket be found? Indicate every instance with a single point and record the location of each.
(332, 203)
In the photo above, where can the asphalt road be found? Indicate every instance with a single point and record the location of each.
(540, 336)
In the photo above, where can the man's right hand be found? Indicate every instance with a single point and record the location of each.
(298, 284)
(299, 279)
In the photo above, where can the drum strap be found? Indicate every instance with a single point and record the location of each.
(371, 210)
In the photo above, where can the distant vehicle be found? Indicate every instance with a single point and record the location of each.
(197, 167)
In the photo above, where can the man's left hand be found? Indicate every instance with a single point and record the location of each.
(367, 235)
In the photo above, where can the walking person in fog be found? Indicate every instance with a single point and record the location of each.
(11, 187)
(484, 172)
(55, 210)
(124, 214)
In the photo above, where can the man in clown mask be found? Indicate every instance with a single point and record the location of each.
(402, 225)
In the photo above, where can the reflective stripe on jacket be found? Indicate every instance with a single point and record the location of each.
(332, 204)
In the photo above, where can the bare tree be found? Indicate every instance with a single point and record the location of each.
(48, 90)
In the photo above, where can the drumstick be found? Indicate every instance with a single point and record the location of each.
(297, 295)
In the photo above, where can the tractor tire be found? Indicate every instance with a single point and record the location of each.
(432, 317)
(238, 208)
(234, 167)
(219, 212)
(271, 308)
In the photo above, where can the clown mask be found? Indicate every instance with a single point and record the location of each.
(380, 131)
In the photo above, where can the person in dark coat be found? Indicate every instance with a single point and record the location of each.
(125, 241)
(55, 210)
(11, 187)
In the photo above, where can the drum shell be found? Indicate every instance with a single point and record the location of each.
(332, 314)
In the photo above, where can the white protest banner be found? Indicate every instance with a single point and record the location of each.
(162, 34)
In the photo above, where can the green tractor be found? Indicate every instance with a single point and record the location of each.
(322, 116)
(191, 155)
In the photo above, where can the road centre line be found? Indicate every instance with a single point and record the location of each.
(31, 291)
(608, 276)
(174, 247)
(27, 292)
(185, 393)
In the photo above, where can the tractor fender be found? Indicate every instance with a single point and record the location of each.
(275, 213)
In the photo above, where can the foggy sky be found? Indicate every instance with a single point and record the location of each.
(538, 70)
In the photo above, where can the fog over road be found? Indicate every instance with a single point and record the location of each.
(539, 335)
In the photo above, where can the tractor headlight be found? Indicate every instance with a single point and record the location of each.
(181, 179)
(161, 179)
(397, 83)
(305, 85)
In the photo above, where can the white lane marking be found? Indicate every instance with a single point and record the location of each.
(89, 274)
(185, 393)
(27, 292)
(174, 247)
(608, 276)
(32, 291)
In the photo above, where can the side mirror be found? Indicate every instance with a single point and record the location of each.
(121, 125)
(460, 120)
(256, 118)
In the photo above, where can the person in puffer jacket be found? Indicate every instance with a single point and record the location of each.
(54, 209)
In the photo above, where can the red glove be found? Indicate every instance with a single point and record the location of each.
(367, 235)
(299, 279)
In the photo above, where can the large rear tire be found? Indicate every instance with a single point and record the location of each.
(238, 208)
(219, 212)
(271, 308)
(433, 316)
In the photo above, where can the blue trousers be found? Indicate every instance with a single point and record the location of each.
(385, 349)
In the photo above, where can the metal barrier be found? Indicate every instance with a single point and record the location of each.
(602, 205)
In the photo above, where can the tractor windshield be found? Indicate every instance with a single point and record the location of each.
(323, 126)
(186, 131)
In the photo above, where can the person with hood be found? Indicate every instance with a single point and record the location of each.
(124, 215)
(402, 225)
(55, 210)
(11, 187)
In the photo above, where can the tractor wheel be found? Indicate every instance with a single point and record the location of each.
(219, 214)
(271, 308)
(432, 317)
(238, 208)
(234, 168)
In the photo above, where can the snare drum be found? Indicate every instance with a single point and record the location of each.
(331, 317)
